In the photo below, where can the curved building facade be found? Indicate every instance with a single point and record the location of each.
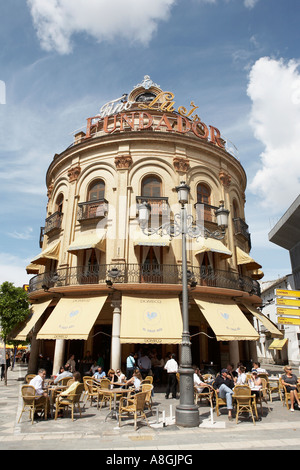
(102, 282)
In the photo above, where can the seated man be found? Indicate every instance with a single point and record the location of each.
(223, 386)
(64, 373)
(41, 395)
(100, 374)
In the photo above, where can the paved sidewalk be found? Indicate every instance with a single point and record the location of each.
(278, 429)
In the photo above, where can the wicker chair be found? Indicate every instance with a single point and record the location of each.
(31, 403)
(91, 389)
(64, 381)
(102, 395)
(148, 388)
(245, 401)
(70, 401)
(29, 377)
(208, 394)
(135, 406)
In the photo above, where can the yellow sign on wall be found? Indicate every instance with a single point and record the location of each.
(288, 321)
(288, 302)
(287, 293)
(288, 311)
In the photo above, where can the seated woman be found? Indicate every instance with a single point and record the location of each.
(64, 395)
(135, 381)
(112, 376)
(290, 381)
(199, 383)
(121, 377)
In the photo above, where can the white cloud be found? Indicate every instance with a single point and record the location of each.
(274, 88)
(56, 21)
(13, 269)
(250, 3)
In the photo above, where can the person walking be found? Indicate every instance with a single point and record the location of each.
(171, 367)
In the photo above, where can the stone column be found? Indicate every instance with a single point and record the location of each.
(58, 355)
(115, 355)
(234, 354)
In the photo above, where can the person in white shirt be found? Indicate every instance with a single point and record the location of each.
(121, 376)
(242, 377)
(171, 367)
(38, 383)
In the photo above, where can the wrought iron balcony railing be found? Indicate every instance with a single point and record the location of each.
(142, 273)
(53, 222)
(92, 209)
(159, 205)
(240, 227)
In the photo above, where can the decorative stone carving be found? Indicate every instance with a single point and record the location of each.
(73, 173)
(49, 191)
(225, 178)
(123, 162)
(181, 164)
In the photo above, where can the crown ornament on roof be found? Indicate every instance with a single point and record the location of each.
(147, 83)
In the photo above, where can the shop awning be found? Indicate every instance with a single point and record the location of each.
(149, 319)
(37, 311)
(265, 321)
(211, 245)
(51, 252)
(32, 268)
(245, 260)
(226, 320)
(72, 318)
(85, 241)
(278, 344)
(141, 239)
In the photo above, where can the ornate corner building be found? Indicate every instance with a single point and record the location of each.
(100, 284)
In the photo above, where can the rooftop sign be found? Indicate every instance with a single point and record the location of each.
(124, 118)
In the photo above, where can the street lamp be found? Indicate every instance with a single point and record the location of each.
(187, 413)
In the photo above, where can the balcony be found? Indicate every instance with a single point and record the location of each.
(159, 205)
(53, 223)
(206, 212)
(142, 273)
(241, 228)
(90, 210)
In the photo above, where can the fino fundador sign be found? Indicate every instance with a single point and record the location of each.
(117, 115)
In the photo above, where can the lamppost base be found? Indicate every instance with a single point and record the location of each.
(187, 416)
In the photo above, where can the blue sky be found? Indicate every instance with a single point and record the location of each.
(61, 60)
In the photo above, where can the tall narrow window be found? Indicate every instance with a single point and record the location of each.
(96, 190)
(203, 194)
(151, 186)
(59, 203)
(203, 197)
(235, 209)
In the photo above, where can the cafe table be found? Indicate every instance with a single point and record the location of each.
(114, 391)
(53, 391)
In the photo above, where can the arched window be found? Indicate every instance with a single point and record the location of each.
(96, 190)
(203, 197)
(151, 186)
(235, 209)
(203, 193)
(59, 203)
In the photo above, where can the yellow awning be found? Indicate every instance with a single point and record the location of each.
(227, 320)
(244, 259)
(149, 319)
(72, 318)
(51, 252)
(265, 321)
(278, 343)
(84, 241)
(141, 239)
(209, 244)
(37, 311)
(32, 269)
